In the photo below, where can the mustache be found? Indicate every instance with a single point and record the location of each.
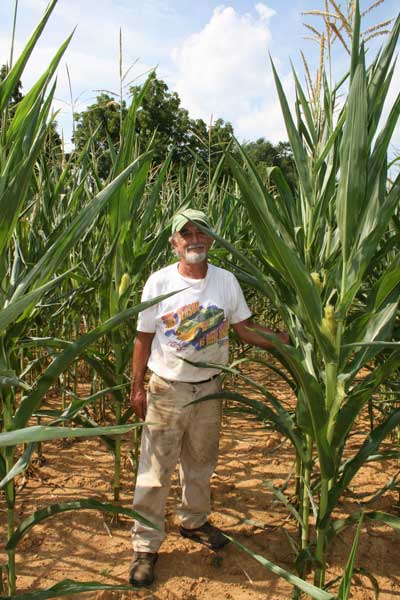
(194, 246)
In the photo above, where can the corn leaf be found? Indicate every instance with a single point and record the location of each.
(382, 66)
(375, 515)
(306, 108)
(284, 423)
(8, 85)
(22, 114)
(42, 433)
(21, 465)
(32, 402)
(345, 584)
(353, 160)
(314, 399)
(283, 258)
(377, 159)
(383, 517)
(355, 51)
(285, 501)
(302, 585)
(17, 307)
(370, 446)
(80, 225)
(82, 504)
(68, 587)
(365, 252)
(360, 394)
(299, 154)
(371, 328)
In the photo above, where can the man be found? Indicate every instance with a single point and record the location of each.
(193, 325)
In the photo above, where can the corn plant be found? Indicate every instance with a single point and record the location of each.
(319, 259)
(30, 268)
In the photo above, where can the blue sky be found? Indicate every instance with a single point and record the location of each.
(215, 55)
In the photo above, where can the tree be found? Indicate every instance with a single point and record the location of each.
(16, 95)
(53, 144)
(174, 129)
(100, 123)
(264, 154)
(161, 119)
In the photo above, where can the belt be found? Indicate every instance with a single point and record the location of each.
(203, 380)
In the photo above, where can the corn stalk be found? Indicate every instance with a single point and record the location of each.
(32, 266)
(319, 259)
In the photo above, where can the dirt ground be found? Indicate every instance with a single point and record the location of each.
(88, 545)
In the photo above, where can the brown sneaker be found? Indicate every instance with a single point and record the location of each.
(207, 534)
(141, 569)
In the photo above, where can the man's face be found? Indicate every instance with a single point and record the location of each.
(191, 244)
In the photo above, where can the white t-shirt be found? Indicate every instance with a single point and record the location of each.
(193, 323)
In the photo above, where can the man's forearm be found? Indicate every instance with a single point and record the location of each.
(251, 332)
(140, 357)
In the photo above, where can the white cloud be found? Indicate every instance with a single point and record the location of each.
(266, 120)
(224, 71)
(264, 11)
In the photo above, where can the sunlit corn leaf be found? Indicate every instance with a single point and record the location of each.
(374, 327)
(364, 253)
(355, 50)
(282, 257)
(24, 108)
(353, 159)
(305, 105)
(41, 433)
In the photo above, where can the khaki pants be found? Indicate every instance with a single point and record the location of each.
(189, 435)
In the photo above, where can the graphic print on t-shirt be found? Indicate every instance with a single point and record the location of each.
(196, 325)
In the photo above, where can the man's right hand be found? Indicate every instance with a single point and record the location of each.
(138, 400)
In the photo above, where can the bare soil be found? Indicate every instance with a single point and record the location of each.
(88, 545)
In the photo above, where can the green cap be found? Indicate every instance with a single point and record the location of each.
(180, 219)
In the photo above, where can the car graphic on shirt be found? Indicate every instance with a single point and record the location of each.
(203, 321)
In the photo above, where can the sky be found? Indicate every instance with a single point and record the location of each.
(214, 55)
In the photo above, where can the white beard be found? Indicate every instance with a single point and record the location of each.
(193, 258)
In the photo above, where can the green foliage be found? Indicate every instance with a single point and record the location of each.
(68, 587)
(16, 95)
(265, 155)
(100, 123)
(327, 259)
(168, 127)
(78, 237)
(161, 122)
